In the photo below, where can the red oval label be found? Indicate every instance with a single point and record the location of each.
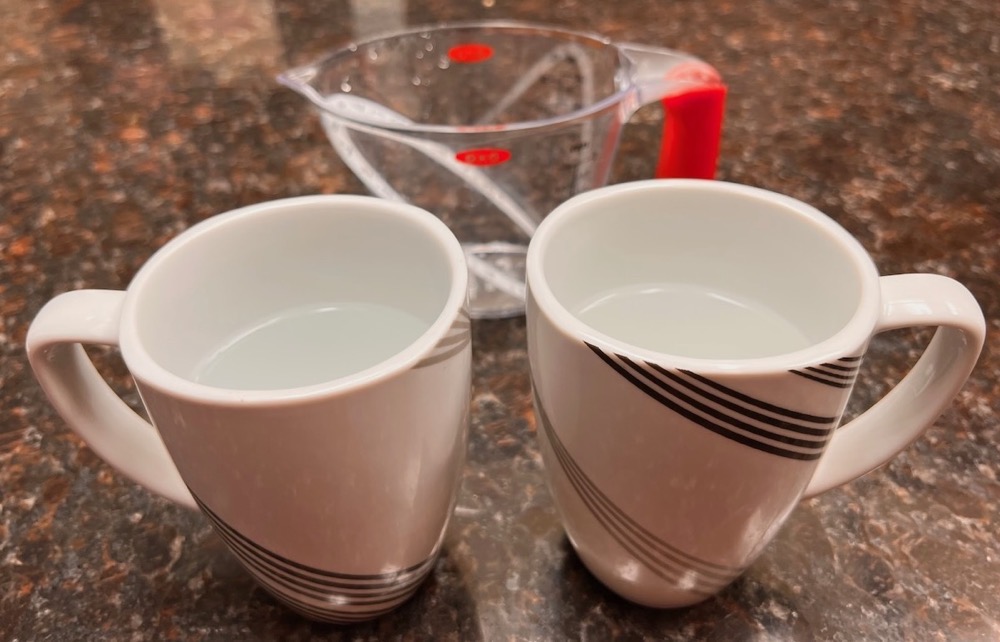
(484, 156)
(470, 52)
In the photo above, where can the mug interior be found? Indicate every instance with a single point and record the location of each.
(700, 269)
(292, 293)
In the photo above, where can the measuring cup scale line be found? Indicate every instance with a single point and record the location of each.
(525, 219)
(727, 417)
(587, 97)
(484, 157)
(470, 53)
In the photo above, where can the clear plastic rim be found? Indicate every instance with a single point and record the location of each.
(291, 79)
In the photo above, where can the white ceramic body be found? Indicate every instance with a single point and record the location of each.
(672, 473)
(335, 496)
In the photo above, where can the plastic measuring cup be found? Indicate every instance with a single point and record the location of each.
(490, 125)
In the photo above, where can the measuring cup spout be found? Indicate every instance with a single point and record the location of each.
(300, 80)
(693, 98)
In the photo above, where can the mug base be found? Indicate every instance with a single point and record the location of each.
(340, 615)
(354, 607)
(648, 590)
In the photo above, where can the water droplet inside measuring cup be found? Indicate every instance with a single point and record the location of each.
(429, 46)
(372, 54)
(415, 81)
(420, 55)
(443, 62)
(345, 86)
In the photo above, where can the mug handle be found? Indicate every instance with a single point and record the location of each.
(85, 401)
(895, 421)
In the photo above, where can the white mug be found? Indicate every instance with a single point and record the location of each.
(692, 347)
(306, 363)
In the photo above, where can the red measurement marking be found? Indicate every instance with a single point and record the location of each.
(483, 157)
(470, 52)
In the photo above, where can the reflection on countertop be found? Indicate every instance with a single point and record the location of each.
(122, 123)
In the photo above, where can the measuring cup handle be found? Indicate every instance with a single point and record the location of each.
(693, 98)
(692, 132)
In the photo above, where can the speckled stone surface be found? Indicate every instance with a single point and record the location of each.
(124, 122)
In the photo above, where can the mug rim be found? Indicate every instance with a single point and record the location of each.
(146, 369)
(850, 338)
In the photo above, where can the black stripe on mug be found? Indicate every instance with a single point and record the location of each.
(747, 399)
(837, 375)
(301, 584)
(745, 411)
(337, 595)
(662, 559)
(762, 438)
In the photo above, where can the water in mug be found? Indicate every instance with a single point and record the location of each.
(309, 345)
(691, 321)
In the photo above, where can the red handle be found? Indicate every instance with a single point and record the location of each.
(692, 124)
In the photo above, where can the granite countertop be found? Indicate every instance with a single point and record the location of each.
(124, 122)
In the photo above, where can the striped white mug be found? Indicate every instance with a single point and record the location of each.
(692, 346)
(306, 364)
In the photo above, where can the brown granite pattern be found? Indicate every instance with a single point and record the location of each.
(123, 122)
